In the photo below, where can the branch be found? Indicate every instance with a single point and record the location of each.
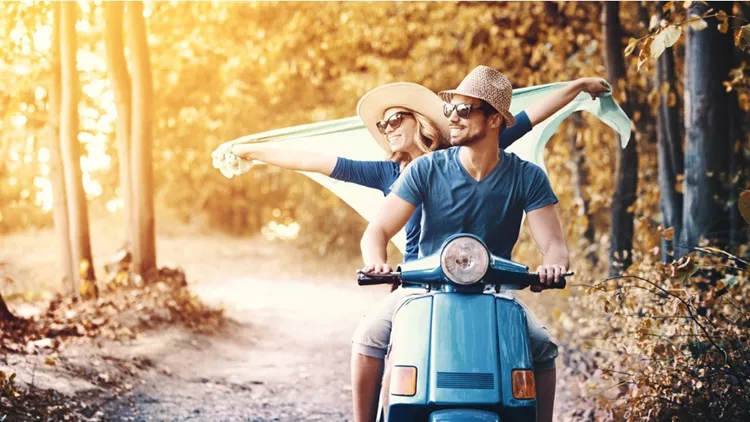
(688, 308)
(714, 251)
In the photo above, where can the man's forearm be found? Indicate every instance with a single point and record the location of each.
(557, 254)
(374, 246)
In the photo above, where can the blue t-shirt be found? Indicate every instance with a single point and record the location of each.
(381, 175)
(454, 202)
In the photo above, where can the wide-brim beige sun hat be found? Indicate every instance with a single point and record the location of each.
(489, 85)
(408, 95)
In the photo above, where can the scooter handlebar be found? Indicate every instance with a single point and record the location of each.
(368, 279)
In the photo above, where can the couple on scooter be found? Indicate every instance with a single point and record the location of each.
(447, 174)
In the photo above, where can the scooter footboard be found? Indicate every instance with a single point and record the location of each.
(463, 415)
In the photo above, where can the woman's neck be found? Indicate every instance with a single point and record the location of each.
(413, 155)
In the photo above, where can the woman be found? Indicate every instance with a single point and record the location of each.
(405, 134)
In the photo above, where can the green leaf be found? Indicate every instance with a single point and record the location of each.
(744, 205)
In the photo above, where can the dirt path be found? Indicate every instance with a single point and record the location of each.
(285, 356)
(286, 360)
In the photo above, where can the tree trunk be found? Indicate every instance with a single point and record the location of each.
(740, 138)
(708, 146)
(77, 206)
(57, 174)
(671, 159)
(5, 313)
(621, 231)
(120, 79)
(580, 179)
(144, 248)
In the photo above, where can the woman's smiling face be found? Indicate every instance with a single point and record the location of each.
(401, 138)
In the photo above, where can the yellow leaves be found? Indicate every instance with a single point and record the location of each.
(664, 38)
(680, 183)
(698, 24)
(723, 19)
(670, 35)
(723, 27)
(683, 269)
(631, 46)
(50, 361)
(742, 37)
(744, 101)
(83, 268)
(744, 205)
(668, 234)
(645, 52)
(671, 99)
(88, 289)
(669, 7)
(643, 329)
(664, 89)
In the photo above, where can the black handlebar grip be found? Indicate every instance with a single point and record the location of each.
(364, 279)
(533, 279)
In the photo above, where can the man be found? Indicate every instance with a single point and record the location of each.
(474, 188)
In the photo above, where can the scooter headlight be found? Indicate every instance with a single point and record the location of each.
(465, 260)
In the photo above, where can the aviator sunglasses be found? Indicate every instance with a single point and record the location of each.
(463, 110)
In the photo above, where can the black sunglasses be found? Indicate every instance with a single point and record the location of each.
(463, 110)
(394, 121)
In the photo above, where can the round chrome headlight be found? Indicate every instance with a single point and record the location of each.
(465, 260)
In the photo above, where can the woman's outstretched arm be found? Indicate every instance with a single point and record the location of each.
(288, 158)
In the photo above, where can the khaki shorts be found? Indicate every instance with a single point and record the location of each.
(373, 334)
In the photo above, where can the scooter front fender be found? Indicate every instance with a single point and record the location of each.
(464, 415)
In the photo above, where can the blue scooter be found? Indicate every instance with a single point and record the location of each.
(458, 354)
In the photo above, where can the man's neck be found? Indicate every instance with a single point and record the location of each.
(481, 157)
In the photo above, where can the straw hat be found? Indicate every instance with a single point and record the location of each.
(489, 85)
(408, 95)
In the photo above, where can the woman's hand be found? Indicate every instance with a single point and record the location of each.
(229, 164)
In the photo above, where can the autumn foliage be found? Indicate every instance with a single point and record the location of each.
(662, 341)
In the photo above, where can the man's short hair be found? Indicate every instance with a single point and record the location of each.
(486, 108)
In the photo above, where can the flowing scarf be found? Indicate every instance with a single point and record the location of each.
(349, 138)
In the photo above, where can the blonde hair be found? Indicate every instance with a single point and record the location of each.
(427, 137)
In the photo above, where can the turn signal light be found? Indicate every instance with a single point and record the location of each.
(404, 381)
(523, 384)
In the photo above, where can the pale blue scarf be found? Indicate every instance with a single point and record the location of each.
(350, 139)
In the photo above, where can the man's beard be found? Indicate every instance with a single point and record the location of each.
(469, 139)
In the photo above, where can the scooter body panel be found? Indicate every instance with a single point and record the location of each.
(465, 347)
